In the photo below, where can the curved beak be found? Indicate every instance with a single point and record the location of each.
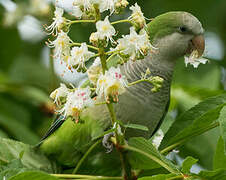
(197, 43)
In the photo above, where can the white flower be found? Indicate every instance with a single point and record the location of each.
(94, 38)
(111, 84)
(62, 91)
(81, 6)
(137, 16)
(96, 62)
(39, 7)
(105, 5)
(86, 4)
(76, 101)
(134, 43)
(105, 29)
(79, 55)
(76, 11)
(94, 70)
(59, 21)
(194, 59)
(158, 138)
(62, 46)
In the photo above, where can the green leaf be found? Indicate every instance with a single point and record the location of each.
(12, 168)
(30, 158)
(213, 175)
(31, 72)
(144, 155)
(188, 163)
(222, 121)
(15, 121)
(34, 175)
(136, 126)
(219, 161)
(195, 121)
(207, 141)
(18, 130)
(208, 76)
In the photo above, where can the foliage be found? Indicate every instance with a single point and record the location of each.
(195, 121)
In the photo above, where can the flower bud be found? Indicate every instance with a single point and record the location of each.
(93, 39)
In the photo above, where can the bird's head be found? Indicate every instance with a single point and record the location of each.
(176, 34)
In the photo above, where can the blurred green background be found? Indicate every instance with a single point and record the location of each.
(26, 78)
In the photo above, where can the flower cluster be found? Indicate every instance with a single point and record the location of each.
(71, 102)
(111, 84)
(61, 45)
(156, 81)
(137, 16)
(105, 31)
(79, 55)
(94, 71)
(106, 79)
(134, 45)
(83, 8)
(107, 82)
(58, 23)
(194, 59)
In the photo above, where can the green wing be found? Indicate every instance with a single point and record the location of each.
(66, 141)
(56, 124)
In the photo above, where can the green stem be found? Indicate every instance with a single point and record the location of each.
(89, 46)
(201, 131)
(85, 156)
(111, 56)
(80, 176)
(81, 21)
(96, 55)
(139, 81)
(126, 172)
(100, 103)
(113, 52)
(112, 113)
(103, 59)
(163, 164)
(122, 21)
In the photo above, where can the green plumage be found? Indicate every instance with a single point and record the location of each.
(71, 140)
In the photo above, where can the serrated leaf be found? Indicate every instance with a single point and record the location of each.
(219, 174)
(219, 161)
(222, 121)
(188, 163)
(195, 121)
(34, 175)
(136, 126)
(142, 161)
(31, 159)
(12, 168)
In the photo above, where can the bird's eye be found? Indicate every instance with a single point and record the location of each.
(183, 29)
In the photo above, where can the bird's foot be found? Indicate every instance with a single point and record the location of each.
(106, 143)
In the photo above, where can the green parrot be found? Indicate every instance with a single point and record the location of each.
(174, 34)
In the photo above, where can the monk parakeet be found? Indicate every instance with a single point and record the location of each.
(174, 34)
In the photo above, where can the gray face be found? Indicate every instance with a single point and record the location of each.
(179, 40)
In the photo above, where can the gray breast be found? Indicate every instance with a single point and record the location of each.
(138, 105)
